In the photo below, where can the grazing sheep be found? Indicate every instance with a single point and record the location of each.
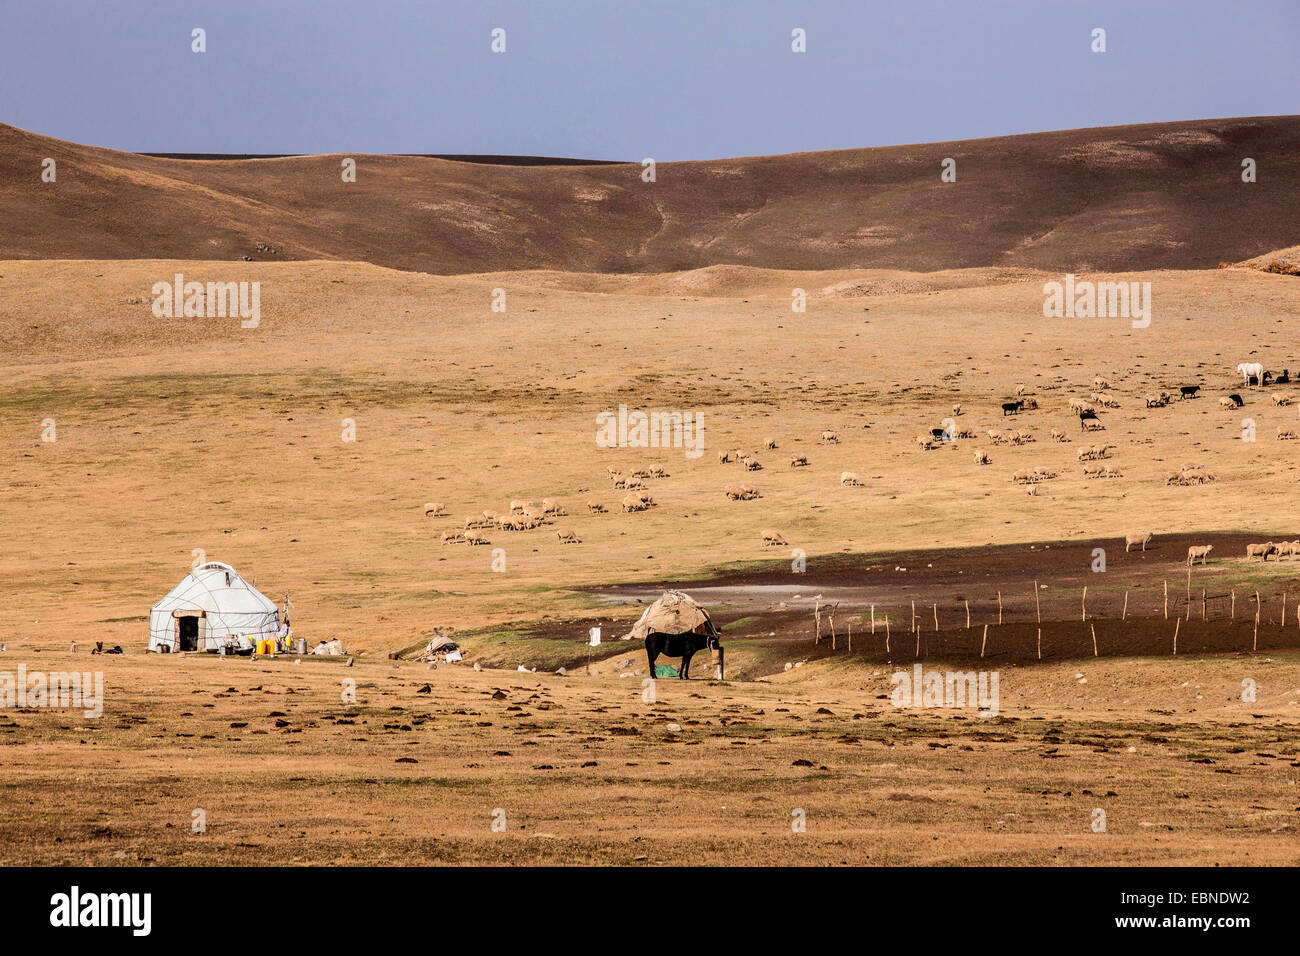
(770, 444)
(595, 507)
(452, 537)
(851, 479)
(1058, 435)
(1105, 401)
(1030, 475)
(1020, 388)
(1283, 398)
(1021, 438)
(489, 516)
(637, 501)
(966, 431)
(1286, 434)
(473, 537)
(926, 441)
(567, 537)
(634, 484)
(1030, 404)
(1100, 383)
(518, 505)
(1153, 401)
(740, 492)
(1137, 537)
(1261, 551)
(749, 491)
(751, 464)
(435, 509)
(552, 507)
(1101, 471)
(956, 410)
(995, 436)
(1227, 402)
(1201, 551)
(773, 538)
(474, 521)
(724, 457)
(982, 458)
(618, 480)
(1092, 452)
(798, 461)
(657, 471)
(830, 438)
(1088, 421)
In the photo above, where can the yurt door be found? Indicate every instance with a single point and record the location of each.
(189, 633)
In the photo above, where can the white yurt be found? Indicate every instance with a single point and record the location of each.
(211, 605)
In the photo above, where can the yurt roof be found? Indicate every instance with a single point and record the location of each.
(216, 587)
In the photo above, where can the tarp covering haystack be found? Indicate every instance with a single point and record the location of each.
(673, 613)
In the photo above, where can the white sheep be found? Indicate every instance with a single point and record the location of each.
(1137, 537)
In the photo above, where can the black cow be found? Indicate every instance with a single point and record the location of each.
(1188, 391)
(940, 434)
(1284, 378)
(1011, 408)
(679, 645)
(1236, 400)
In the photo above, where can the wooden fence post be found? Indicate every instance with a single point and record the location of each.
(1038, 606)
(1177, 622)
(1040, 643)
(1123, 615)
(985, 640)
(1083, 605)
(999, 608)
(1166, 599)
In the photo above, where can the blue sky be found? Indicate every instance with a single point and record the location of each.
(626, 79)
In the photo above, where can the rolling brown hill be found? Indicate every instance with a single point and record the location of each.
(1133, 197)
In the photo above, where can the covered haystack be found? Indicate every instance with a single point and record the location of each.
(673, 613)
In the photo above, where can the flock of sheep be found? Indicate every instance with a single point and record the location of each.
(1202, 551)
(1087, 410)
(523, 515)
